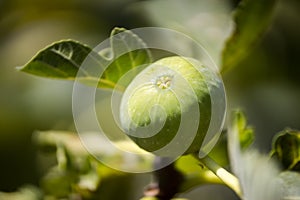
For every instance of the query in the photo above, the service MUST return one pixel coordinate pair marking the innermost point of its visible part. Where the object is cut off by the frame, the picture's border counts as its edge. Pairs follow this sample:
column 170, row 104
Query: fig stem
column 229, row 179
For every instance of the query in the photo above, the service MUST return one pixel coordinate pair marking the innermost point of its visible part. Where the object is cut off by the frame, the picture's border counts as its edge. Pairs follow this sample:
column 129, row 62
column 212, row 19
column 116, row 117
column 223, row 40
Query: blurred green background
column 266, row 84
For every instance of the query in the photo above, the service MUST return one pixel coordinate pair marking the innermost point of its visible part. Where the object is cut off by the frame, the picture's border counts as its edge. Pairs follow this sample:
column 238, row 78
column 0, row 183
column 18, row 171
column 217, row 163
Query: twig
column 229, row 179
column 167, row 181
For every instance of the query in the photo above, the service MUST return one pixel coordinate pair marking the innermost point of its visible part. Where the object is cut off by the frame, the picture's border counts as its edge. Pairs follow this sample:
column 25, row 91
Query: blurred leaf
column 220, row 153
column 51, row 140
column 77, row 172
column 58, row 182
column 255, row 171
column 194, row 173
column 252, row 18
column 257, row 175
column 290, row 185
column 114, row 184
column 72, row 174
column 24, row 193
column 208, row 22
column 154, row 198
column 149, row 198
column 89, row 181
column 286, row 148
column 245, row 132
column 78, row 153
column 63, row 60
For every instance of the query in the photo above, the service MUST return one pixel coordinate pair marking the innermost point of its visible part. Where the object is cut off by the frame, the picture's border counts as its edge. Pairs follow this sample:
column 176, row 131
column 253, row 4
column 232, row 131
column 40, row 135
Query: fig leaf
column 63, row 59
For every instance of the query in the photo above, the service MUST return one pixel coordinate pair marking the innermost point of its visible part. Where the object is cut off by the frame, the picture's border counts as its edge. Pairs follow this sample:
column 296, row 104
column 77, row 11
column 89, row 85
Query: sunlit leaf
column 252, row 18
column 245, row 132
column 76, row 171
column 286, row 149
column 61, row 59
column 64, row 59
column 46, row 140
column 194, row 173
column 58, row 182
column 125, row 56
column 89, row 181
column 75, row 151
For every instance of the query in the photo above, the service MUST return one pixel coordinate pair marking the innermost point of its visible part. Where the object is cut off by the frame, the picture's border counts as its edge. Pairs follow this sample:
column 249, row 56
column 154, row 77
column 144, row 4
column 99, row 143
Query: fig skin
column 159, row 84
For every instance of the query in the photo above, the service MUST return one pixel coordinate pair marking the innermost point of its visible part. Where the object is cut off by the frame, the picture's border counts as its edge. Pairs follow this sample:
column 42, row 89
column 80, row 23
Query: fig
column 154, row 102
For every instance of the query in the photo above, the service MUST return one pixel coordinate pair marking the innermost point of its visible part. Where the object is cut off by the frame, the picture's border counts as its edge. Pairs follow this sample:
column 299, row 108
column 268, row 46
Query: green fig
column 153, row 104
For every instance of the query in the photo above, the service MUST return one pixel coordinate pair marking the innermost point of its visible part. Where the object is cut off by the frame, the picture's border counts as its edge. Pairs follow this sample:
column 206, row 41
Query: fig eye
column 164, row 82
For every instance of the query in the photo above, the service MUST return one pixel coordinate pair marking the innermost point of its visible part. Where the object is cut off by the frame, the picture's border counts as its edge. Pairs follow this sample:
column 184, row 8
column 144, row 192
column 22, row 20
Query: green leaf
column 78, row 172
column 53, row 140
column 252, row 18
column 27, row 192
column 155, row 198
column 191, row 168
column 128, row 51
column 220, row 152
column 286, row 149
column 63, row 60
column 194, row 173
column 57, row 182
column 149, row 198
column 246, row 133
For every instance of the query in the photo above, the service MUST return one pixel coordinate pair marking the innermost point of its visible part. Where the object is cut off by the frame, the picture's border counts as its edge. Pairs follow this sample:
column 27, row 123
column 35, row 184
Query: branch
column 166, row 183
column 229, row 179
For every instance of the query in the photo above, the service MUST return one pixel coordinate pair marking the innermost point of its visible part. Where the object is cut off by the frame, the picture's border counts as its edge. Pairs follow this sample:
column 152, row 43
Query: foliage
column 62, row 60
column 246, row 133
column 286, row 149
column 76, row 174
column 251, row 18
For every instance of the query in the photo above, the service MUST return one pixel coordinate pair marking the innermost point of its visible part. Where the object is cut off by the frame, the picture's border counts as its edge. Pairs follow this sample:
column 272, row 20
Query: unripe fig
column 157, row 98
